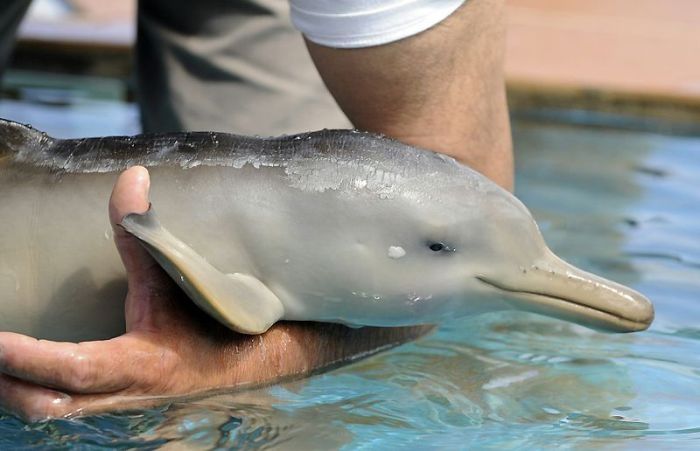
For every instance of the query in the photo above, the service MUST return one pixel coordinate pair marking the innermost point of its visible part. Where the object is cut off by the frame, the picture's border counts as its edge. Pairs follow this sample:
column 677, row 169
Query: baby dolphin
column 335, row 226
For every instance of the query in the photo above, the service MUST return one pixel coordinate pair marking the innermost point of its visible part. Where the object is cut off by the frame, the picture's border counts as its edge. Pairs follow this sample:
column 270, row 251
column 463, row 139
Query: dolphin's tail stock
column 16, row 137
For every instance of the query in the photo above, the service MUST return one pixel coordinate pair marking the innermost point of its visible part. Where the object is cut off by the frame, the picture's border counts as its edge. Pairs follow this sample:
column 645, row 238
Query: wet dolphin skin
column 337, row 226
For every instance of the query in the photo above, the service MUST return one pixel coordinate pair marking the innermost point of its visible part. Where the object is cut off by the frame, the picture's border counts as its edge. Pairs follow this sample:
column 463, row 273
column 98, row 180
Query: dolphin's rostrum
column 338, row 226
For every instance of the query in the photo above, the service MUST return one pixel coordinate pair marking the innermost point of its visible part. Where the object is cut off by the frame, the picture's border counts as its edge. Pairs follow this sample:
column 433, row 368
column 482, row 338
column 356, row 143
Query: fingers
column 90, row 367
column 32, row 402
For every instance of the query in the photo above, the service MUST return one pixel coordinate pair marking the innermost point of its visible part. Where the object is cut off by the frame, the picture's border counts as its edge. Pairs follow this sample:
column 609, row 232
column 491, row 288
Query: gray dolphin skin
column 334, row 226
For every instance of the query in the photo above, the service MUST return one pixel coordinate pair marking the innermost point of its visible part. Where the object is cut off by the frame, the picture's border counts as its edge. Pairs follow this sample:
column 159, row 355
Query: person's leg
column 225, row 65
column 11, row 14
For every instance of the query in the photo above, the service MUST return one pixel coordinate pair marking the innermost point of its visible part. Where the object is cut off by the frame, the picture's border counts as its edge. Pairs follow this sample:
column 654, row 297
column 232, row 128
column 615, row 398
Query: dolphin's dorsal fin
column 239, row 301
column 15, row 137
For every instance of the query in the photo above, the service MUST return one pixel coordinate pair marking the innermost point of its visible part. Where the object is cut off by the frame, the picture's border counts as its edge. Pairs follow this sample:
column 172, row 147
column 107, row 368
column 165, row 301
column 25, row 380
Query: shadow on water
column 623, row 204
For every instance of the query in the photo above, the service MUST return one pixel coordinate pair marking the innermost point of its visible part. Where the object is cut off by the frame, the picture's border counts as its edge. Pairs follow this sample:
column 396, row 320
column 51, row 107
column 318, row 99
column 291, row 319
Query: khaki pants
column 223, row 65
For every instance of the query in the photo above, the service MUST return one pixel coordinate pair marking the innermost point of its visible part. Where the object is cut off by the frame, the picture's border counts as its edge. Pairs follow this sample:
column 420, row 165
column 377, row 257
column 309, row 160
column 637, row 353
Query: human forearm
column 295, row 349
column 442, row 89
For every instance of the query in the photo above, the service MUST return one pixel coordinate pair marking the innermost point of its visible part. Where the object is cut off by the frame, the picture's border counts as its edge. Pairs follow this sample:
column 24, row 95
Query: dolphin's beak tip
column 641, row 312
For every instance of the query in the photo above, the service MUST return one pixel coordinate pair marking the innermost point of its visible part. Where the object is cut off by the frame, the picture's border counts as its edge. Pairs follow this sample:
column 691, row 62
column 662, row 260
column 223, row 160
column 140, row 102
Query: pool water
column 622, row 204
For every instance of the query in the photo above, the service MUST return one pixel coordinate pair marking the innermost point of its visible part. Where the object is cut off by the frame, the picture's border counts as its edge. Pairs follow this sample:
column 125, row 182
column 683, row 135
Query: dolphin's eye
column 437, row 247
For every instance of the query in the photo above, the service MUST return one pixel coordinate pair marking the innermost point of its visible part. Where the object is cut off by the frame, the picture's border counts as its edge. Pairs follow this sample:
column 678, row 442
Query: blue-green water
column 622, row 204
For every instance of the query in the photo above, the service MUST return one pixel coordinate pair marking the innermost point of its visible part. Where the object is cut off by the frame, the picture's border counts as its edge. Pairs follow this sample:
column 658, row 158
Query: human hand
column 170, row 348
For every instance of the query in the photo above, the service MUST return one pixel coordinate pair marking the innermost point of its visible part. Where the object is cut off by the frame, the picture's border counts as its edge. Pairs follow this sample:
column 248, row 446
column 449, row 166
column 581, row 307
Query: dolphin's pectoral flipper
column 239, row 301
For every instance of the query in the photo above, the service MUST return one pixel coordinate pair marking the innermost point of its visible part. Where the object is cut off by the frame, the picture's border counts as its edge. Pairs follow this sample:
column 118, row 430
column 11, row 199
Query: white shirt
column 366, row 23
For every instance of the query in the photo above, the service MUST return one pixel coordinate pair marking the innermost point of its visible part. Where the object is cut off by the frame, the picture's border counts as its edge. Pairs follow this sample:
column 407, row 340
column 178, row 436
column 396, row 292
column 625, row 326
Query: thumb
column 153, row 298
column 130, row 195
column 146, row 279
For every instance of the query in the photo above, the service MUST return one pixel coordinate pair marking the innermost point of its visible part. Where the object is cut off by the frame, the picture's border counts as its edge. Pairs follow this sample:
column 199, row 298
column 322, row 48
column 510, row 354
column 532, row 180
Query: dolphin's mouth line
column 559, row 298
